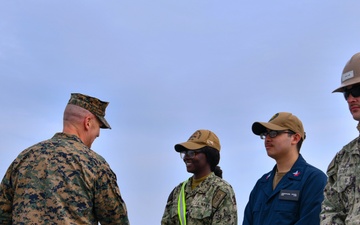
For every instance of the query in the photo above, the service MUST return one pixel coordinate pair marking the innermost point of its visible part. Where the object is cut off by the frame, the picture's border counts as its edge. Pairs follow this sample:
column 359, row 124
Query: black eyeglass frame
column 274, row 133
column 190, row 153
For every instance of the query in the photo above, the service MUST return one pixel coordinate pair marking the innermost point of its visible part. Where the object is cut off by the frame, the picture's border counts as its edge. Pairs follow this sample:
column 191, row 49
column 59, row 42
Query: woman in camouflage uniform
column 206, row 198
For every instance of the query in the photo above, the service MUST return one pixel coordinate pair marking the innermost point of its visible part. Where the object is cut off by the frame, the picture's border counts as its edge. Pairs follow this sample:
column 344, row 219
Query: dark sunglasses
column 354, row 91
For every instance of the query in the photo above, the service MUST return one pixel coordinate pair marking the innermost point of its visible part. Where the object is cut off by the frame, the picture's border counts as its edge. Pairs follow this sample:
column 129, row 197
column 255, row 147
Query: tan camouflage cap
column 280, row 121
column 200, row 139
column 351, row 73
column 93, row 105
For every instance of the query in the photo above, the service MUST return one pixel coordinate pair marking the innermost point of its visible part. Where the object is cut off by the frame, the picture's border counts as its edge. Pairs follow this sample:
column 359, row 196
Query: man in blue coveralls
column 292, row 192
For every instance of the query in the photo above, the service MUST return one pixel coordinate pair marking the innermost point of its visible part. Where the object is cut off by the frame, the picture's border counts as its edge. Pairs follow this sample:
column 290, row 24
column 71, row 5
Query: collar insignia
column 297, row 173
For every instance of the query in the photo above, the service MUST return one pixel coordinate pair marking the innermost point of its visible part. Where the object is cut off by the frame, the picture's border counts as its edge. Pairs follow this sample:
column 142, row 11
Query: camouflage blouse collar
column 73, row 137
column 203, row 186
column 358, row 126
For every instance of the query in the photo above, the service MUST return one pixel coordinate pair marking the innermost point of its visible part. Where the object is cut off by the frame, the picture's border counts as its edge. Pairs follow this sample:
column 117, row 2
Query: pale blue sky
column 169, row 68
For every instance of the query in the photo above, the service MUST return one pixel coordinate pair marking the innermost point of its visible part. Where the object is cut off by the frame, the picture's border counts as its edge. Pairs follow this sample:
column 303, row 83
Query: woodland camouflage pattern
column 342, row 192
column 60, row 181
column 93, row 105
column 211, row 203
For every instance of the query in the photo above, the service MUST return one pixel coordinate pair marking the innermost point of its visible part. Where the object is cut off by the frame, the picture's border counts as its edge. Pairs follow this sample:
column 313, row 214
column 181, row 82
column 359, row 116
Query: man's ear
column 296, row 138
column 87, row 122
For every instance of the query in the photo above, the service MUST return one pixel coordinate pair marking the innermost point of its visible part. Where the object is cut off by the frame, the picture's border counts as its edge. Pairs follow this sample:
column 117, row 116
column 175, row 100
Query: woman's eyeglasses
column 274, row 133
column 190, row 154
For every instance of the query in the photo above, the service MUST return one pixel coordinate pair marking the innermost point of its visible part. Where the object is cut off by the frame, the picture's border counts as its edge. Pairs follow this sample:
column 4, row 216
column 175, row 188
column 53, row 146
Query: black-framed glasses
column 190, row 154
column 274, row 133
column 354, row 91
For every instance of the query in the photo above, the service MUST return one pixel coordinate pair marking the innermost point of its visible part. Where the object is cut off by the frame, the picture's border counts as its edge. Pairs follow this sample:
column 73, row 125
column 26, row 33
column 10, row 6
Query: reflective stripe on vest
column 182, row 205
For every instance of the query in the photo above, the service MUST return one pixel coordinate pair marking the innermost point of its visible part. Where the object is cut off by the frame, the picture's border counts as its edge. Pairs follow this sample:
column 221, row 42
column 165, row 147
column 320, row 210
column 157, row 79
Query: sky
column 169, row 68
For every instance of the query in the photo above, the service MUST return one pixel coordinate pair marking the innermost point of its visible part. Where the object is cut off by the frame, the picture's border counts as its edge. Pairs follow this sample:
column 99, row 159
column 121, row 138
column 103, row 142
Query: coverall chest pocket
column 288, row 211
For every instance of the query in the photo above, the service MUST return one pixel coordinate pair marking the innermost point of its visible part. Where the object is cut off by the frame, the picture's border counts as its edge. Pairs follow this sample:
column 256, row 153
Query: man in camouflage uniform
column 61, row 180
column 342, row 192
column 208, row 198
column 292, row 192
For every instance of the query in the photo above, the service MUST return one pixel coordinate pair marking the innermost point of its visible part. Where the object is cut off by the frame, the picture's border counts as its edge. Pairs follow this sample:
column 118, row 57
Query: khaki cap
column 93, row 105
column 280, row 121
column 199, row 139
column 351, row 73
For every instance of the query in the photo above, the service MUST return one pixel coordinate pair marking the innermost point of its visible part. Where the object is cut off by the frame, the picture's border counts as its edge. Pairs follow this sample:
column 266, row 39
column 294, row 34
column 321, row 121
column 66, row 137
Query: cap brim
column 104, row 123
column 260, row 127
column 188, row 146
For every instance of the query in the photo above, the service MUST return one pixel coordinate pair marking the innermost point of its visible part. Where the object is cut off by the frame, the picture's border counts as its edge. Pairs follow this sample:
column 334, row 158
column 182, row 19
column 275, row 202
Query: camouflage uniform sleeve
column 6, row 196
column 332, row 210
column 224, row 204
column 167, row 218
column 109, row 206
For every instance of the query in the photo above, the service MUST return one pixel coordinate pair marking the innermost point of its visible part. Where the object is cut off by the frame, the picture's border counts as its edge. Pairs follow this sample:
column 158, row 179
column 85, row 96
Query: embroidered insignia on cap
column 274, row 116
column 196, row 135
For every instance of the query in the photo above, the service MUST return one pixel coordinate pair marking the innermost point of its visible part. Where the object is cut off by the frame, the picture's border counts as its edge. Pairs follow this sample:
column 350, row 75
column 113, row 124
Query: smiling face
column 197, row 164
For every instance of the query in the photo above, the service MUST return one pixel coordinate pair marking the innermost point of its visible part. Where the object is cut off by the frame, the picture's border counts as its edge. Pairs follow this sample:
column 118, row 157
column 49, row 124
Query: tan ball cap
column 199, row 139
column 280, row 121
